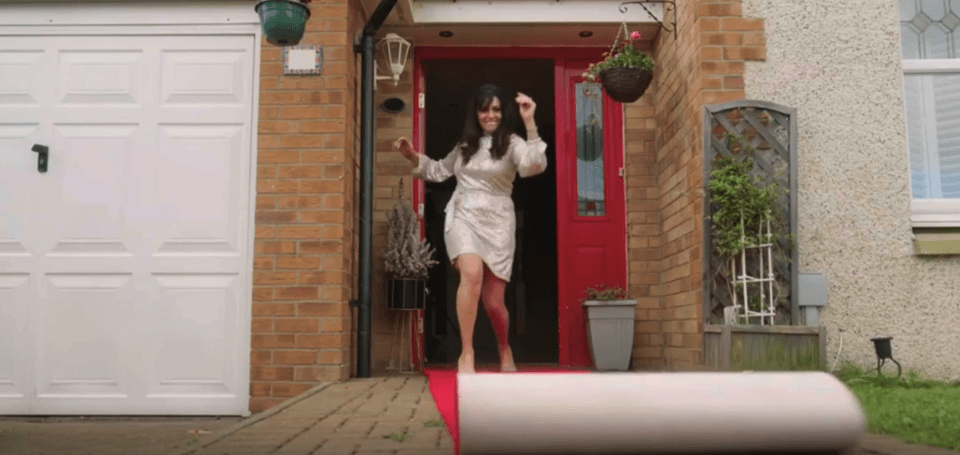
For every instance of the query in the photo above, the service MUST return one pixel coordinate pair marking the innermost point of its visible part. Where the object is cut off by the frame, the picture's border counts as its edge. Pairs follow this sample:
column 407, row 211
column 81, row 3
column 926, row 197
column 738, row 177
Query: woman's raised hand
column 527, row 107
column 406, row 149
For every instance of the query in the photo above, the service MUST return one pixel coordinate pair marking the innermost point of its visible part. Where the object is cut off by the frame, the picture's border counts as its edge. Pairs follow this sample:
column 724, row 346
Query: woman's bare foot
column 506, row 361
column 465, row 364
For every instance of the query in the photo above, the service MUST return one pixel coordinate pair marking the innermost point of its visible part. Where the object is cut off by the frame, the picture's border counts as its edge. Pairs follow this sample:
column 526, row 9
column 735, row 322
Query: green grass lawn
column 918, row 410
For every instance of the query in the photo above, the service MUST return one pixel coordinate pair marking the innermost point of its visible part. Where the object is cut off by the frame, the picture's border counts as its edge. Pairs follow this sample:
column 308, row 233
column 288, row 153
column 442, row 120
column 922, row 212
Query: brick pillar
column 703, row 65
column 643, row 228
column 305, row 237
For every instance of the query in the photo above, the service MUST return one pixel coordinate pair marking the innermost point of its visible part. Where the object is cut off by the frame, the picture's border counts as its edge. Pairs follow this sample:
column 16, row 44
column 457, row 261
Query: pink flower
column 635, row 35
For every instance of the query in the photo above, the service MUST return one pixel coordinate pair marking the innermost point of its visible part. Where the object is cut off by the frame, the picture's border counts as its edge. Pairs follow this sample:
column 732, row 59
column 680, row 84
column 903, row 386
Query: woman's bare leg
column 468, row 296
column 493, row 292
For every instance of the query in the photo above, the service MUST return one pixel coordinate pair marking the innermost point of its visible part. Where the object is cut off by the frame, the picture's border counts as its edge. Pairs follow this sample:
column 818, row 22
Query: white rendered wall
column 838, row 63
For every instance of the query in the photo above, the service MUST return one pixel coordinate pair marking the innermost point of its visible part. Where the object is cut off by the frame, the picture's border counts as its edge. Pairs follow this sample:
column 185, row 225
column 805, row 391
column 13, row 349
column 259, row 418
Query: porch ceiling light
column 446, row 34
column 395, row 49
column 586, row 34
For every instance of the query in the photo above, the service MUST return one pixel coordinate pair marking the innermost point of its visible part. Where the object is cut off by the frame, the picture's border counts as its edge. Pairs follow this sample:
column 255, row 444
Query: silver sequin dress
column 480, row 217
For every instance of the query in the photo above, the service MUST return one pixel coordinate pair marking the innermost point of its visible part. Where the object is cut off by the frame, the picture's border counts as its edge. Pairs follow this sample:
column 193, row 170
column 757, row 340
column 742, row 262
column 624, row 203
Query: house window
column 930, row 43
column 591, row 198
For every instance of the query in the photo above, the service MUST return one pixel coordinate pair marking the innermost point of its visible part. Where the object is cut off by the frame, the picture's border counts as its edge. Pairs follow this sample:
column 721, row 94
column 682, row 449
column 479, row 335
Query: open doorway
column 531, row 296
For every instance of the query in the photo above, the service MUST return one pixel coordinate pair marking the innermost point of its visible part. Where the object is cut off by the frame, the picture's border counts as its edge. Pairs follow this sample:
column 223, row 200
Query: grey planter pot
column 610, row 328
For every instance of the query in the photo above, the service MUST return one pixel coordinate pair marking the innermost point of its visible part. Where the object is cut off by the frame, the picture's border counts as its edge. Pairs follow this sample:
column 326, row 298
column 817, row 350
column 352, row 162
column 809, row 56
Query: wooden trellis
column 767, row 133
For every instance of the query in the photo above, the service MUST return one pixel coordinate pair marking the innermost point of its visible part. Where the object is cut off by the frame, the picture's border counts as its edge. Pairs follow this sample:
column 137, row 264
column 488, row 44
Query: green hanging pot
column 284, row 21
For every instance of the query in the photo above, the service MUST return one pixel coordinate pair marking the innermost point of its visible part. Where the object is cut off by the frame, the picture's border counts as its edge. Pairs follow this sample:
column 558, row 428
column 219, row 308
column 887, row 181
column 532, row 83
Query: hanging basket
column 283, row 21
column 625, row 85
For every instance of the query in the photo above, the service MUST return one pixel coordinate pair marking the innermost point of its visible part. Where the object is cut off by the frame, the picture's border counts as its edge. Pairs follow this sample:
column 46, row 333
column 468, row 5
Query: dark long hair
column 472, row 131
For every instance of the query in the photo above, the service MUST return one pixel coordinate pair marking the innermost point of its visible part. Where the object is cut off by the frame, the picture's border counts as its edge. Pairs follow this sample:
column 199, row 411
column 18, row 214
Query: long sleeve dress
column 480, row 217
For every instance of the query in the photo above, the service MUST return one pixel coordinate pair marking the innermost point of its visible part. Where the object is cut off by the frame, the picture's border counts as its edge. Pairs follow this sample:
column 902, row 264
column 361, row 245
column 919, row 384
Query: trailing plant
column 742, row 200
column 604, row 292
column 407, row 255
column 625, row 53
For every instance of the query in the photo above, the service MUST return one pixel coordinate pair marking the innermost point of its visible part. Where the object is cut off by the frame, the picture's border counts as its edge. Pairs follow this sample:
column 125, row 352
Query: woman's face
column 489, row 117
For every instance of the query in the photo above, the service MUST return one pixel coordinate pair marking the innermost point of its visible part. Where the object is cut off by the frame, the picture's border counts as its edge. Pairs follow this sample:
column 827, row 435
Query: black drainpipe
column 366, row 50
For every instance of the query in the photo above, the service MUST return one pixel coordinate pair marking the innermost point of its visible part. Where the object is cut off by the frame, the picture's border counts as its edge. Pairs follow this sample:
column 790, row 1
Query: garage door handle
column 44, row 152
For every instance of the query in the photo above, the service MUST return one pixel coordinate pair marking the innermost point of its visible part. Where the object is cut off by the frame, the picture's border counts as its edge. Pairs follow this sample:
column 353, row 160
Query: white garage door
column 124, row 268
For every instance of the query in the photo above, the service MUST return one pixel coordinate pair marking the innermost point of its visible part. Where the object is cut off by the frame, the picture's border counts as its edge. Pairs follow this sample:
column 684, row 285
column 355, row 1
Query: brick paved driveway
column 344, row 418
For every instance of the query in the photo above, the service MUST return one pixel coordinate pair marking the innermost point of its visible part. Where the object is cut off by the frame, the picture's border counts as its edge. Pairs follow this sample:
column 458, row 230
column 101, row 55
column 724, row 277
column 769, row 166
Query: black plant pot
column 406, row 294
column 625, row 85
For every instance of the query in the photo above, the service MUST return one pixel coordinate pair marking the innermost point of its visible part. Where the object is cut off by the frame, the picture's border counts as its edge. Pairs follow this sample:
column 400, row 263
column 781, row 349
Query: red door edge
column 418, row 188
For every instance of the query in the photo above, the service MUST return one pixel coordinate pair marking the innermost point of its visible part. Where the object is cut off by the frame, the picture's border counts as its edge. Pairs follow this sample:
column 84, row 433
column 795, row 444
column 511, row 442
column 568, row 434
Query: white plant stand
column 401, row 359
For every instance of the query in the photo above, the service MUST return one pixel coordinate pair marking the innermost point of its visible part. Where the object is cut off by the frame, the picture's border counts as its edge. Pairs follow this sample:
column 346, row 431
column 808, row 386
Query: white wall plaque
column 302, row 59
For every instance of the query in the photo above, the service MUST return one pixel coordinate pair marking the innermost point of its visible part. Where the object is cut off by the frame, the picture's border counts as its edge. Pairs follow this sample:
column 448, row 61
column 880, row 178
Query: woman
column 480, row 222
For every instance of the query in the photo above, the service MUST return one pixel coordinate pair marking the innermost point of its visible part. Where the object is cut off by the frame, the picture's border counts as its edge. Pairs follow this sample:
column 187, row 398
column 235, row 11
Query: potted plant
column 283, row 21
column 407, row 258
column 625, row 72
column 610, row 326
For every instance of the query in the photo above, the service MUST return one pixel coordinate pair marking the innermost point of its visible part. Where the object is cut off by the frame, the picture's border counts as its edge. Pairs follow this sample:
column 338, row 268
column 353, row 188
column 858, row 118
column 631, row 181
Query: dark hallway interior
column 531, row 296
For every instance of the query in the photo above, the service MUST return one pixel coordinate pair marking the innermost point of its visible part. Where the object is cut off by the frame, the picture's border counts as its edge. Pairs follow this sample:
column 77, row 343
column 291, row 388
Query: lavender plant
column 407, row 256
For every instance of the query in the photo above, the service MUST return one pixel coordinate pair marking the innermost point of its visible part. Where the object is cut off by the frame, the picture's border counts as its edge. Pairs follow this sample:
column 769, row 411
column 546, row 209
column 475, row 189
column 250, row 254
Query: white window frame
column 932, row 212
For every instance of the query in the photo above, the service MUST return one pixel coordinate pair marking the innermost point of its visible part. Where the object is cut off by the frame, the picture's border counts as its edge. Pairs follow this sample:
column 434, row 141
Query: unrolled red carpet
column 443, row 386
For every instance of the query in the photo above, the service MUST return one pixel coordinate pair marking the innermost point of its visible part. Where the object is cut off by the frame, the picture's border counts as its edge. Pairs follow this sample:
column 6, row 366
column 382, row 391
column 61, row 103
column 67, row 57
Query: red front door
column 591, row 202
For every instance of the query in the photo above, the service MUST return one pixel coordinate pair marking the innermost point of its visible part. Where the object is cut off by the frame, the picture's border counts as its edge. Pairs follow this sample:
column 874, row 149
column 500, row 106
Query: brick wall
column 643, row 227
column 305, row 241
column 390, row 168
column 704, row 65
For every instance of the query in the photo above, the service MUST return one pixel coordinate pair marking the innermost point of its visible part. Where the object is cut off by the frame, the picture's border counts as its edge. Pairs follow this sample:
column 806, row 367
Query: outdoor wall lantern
column 283, row 21
column 395, row 49
column 884, row 351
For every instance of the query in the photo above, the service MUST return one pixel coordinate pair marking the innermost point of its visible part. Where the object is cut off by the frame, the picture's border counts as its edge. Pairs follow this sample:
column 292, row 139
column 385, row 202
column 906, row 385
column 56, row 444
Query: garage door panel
column 100, row 77
column 83, row 340
column 93, row 115
column 200, row 76
column 88, row 257
column 19, row 84
column 219, row 248
column 196, row 262
column 17, row 160
column 22, row 115
column 196, row 330
column 107, row 248
column 201, row 115
column 15, row 292
column 18, row 175
column 196, row 183
column 95, row 165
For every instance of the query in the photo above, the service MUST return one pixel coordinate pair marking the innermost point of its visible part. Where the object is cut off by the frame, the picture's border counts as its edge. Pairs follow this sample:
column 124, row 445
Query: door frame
column 559, row 55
